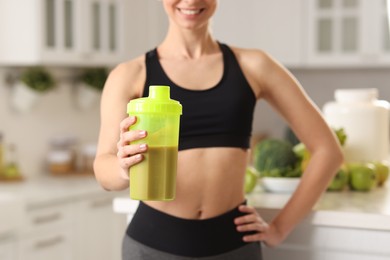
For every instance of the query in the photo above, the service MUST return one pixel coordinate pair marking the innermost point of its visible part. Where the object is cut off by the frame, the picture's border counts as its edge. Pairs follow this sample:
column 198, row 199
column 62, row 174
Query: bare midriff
column 210, row 182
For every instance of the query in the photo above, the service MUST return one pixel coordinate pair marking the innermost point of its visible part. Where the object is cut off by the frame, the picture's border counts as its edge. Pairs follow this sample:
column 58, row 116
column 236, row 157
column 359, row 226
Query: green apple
column 382, row 172
column 362, row 176
column 340, row 180
column 251, row 176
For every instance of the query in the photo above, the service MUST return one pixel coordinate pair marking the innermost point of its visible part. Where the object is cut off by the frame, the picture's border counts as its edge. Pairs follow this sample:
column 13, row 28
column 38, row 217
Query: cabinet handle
column 45, row 219
column 48, row 242
column 100, row 203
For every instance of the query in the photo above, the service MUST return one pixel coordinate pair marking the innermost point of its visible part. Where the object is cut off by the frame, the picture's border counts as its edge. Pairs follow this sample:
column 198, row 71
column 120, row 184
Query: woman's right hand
column 129, row 154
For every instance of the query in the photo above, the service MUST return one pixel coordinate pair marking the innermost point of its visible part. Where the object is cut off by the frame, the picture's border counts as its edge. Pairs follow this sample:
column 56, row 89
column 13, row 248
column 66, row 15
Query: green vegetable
column 304, row 155
column 301, row 151
column 274, row 157
column 341, row 135
column 283, row 172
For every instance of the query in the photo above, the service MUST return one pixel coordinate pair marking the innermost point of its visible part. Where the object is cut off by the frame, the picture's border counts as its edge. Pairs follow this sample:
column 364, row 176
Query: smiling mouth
column 190, row 11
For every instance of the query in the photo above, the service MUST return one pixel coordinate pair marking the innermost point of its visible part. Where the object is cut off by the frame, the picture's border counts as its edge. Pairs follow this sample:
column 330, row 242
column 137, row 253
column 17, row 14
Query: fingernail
column 142, row 147
column 142, row 133
column 138, row 157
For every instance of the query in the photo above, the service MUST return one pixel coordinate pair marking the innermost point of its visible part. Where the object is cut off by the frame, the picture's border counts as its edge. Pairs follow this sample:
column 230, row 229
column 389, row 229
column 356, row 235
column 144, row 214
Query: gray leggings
column 133, row 250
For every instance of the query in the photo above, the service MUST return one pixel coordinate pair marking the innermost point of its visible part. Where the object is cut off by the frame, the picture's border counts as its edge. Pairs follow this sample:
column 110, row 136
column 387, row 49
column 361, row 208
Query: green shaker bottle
column 155, row 177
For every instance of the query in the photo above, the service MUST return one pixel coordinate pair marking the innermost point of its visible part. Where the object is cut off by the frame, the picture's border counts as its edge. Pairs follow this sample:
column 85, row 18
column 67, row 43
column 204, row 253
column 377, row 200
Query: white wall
column 56, row 114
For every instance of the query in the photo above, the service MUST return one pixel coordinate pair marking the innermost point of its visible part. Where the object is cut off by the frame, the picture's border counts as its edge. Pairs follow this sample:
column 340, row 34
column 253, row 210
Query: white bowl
column 280, row 185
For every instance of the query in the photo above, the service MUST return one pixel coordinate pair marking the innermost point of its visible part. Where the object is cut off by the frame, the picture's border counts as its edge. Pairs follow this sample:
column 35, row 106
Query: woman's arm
column 283, row 92
column 115, row 155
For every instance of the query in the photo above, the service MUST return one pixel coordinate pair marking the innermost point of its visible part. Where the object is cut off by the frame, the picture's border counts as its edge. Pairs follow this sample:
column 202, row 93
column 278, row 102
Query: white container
column 365, row 120
column 23, row 97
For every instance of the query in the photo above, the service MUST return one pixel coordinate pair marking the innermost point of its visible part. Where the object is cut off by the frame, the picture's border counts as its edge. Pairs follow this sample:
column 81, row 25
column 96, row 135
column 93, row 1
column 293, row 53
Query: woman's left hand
column 262, row 231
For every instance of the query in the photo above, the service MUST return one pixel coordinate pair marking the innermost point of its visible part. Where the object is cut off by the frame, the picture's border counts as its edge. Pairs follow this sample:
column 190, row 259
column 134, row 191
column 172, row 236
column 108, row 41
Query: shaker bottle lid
column 356, row 95
column 158, row 101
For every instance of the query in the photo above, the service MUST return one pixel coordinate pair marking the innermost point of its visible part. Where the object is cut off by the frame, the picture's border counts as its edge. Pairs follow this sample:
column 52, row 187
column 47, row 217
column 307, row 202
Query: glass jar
column 88, row 157
column 61, row 157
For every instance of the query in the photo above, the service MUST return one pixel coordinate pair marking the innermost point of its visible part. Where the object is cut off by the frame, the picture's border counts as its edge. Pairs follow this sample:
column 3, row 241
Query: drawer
column 47, row 218
column 56, row 244
column 7, row 250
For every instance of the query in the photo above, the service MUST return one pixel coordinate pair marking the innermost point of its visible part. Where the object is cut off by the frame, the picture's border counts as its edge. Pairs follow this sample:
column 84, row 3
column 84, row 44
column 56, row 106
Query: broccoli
column 274, row 157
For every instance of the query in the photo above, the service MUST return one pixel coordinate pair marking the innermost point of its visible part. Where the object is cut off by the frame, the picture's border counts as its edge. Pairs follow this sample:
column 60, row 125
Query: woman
column 218, row 86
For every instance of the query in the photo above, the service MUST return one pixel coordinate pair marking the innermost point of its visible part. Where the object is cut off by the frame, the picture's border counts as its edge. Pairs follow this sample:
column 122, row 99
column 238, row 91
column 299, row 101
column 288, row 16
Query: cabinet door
column 7, row 250
column 55, row 245
column 61, row 32
column 335, row 31
column 102, row 32
column 38, row 31
column 100, row 230
column 274, row 26
column 347, row 32
column 60, row 42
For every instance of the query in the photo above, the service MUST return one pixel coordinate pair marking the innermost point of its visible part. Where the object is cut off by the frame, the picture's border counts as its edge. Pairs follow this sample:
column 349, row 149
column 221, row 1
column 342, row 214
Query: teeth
column 190, row 12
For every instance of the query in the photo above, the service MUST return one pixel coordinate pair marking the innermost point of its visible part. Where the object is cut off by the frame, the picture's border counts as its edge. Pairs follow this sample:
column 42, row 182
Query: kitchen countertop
column 347, row 209
column 52, row 189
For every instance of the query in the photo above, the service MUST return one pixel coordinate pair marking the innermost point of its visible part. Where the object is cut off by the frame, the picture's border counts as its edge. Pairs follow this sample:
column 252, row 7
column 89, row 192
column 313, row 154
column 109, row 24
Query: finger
column 127, row 162
column 246, row 209
column 130, row 136
column 246, row 219
column 128, row 150
column 126, row 123
column 254, row 237
column 258, row 227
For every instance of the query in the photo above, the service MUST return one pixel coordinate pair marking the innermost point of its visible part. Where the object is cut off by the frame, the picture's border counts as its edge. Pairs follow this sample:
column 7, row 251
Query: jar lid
column 59, row 157
column 89, row 150
column 356, row 95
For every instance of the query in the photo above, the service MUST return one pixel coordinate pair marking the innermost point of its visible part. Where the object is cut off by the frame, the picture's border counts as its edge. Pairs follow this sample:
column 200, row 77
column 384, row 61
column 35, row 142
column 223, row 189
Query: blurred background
column 58, row 211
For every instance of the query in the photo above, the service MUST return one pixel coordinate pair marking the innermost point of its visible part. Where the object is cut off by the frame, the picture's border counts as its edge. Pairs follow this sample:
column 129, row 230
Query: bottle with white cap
column 365, row 120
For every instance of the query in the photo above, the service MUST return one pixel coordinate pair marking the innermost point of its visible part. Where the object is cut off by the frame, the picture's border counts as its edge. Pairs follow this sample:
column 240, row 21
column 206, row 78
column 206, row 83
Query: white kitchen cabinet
column 7, row 249
column 313, row 240
column 61, row 32
column 274, row 26
column 99, row 231
column 53, row 245
column 103, row 31
column 47, row 233
column 347, row 33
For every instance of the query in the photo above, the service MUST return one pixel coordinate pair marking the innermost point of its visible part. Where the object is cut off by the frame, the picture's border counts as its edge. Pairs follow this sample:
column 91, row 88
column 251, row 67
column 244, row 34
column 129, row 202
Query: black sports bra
column 220, row 116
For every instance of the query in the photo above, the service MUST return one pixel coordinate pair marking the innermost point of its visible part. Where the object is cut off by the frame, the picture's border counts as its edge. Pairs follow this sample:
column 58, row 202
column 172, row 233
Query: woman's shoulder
column 256, row 65
column 130, row 67
column 251, row 55
column 127, row 78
